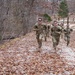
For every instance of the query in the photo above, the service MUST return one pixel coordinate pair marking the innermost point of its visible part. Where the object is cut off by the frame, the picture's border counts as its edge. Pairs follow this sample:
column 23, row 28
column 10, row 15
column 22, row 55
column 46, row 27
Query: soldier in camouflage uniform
column 55, row 33
column 62, row 27
column 39, row 32
column 45, row 32
column 48, row 30
column 67, row 33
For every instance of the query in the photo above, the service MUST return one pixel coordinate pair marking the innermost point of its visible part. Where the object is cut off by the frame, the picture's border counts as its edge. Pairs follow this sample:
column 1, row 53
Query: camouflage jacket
column 39, row 29
column 56, row 31
column 68, row 31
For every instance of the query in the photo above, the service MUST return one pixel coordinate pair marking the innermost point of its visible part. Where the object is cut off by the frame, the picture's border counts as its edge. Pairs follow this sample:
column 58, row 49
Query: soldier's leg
column 40, row 43
column 54, row 42
column 68, row 40
column 65, row 37
column 54, row 45
column 45, row 38
column 40, row 40
column 37, row 37
column 48, row 33
column 57, row 40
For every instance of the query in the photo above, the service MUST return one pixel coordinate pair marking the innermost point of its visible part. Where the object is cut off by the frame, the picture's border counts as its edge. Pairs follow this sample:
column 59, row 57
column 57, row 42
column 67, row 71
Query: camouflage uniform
column 48, row 30
column 67, row 33
column 45, row 32
column 39, row 34
column 55, row 33
column 62, row 27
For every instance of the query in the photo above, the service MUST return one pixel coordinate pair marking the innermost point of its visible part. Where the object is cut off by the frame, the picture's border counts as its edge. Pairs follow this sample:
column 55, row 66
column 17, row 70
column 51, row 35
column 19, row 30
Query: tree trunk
column 68, row 21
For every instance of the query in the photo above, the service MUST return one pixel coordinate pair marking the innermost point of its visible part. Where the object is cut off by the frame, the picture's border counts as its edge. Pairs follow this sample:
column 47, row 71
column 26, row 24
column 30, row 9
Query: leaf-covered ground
column 21, row 57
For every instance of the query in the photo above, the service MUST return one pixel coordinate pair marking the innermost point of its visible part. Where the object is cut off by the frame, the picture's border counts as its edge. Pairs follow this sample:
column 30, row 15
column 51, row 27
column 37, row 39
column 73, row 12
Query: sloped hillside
column 21, row 57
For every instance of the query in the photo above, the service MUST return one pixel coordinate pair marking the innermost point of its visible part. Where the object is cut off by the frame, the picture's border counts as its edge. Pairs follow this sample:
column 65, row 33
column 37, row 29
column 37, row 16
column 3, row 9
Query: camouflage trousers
column 39, row 40
column 48, row 32
column 67, row 39
column 55, row 41
column 45, row 35
column 62, row 35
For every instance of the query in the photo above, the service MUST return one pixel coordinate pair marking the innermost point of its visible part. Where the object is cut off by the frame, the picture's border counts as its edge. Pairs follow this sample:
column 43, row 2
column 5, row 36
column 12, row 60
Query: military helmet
column 39, row 19
column 55, row 23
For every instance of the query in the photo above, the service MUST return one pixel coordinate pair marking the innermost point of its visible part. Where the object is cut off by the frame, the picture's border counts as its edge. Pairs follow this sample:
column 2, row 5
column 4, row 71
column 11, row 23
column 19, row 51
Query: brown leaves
column 20, row 57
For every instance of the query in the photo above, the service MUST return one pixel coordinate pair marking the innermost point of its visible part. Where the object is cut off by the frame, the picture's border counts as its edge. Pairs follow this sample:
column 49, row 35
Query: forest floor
column 20, row 56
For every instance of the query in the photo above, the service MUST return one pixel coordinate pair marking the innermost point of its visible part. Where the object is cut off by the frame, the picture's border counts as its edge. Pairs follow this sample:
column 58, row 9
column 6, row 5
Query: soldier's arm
column 64, row 30
column 58, row 32
column 35, row 28
column 71, row 30
column 52, row 31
